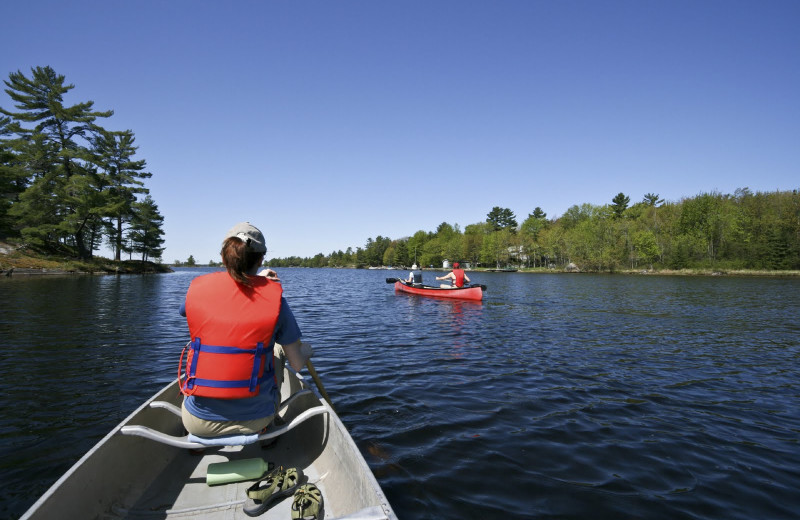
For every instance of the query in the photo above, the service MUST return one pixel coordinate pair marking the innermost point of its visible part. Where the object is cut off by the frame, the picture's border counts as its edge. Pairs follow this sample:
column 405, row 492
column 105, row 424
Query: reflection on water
column 555, row 397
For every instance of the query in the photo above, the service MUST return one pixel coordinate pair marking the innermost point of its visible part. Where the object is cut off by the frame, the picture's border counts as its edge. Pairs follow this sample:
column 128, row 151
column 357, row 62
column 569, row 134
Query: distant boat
column 468, row 292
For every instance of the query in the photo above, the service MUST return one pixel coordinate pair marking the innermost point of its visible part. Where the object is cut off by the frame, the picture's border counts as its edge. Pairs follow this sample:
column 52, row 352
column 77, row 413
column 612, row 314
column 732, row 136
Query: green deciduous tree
column 529, row 234
column 744, row 230
column 646, row 247
column 474, row 234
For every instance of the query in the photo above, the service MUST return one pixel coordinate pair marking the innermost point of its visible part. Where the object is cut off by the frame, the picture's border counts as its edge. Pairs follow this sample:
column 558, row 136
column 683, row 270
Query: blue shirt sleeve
column 287, row 330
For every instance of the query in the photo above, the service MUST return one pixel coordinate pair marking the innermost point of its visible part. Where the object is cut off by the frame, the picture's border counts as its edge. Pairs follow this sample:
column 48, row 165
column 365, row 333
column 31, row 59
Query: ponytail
column 238, row 260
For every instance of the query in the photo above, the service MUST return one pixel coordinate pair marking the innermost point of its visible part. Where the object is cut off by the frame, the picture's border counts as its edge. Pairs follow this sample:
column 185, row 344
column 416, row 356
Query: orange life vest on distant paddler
column 459, row 281
column 231, row 327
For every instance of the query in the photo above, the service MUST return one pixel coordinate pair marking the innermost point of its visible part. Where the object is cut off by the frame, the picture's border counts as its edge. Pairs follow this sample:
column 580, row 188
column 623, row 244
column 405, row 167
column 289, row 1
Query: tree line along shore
column 746, row 231
column 68, row 186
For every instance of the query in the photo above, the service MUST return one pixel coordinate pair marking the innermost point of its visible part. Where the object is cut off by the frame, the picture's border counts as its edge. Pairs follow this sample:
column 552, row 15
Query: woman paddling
column 458, row 276
column 235, row 318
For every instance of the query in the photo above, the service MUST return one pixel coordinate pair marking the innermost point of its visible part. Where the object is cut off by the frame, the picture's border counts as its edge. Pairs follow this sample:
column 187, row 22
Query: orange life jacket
column 459, row 281
column 231, row 327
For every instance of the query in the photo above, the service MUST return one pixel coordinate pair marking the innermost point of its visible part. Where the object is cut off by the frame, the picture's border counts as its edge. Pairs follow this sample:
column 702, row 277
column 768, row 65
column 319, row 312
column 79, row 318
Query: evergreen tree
column 114, row 152
column 620, row 204
column 502, row 218
column 145, row 232
column 56, row 156
column 12, row 179
column 538, row 213
column 651, row 199
column 401, row 253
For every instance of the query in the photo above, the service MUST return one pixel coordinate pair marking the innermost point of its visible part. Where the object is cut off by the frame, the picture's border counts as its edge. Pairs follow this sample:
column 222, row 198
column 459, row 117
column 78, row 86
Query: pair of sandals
column 279, row 483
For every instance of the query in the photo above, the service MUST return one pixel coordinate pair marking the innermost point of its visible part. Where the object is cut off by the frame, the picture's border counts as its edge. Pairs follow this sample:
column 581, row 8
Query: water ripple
column 555, row 397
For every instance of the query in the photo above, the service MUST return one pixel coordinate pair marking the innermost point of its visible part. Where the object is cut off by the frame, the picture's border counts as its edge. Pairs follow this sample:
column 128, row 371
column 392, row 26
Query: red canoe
column 462, row 293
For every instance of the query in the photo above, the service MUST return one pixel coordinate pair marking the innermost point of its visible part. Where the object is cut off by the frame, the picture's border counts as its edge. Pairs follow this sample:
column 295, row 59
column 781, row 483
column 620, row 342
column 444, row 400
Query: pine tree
column 620, row 204
column 114, row 152
column 502, row 218
column 12, row 179
column 146, row 229
column 56, row 157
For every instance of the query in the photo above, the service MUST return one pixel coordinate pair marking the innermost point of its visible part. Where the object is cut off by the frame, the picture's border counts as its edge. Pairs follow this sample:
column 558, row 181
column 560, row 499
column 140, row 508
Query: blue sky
column 327, row 123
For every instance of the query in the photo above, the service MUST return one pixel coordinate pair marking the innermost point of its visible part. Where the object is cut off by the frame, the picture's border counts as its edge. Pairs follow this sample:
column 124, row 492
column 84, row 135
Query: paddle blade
column 392, row 280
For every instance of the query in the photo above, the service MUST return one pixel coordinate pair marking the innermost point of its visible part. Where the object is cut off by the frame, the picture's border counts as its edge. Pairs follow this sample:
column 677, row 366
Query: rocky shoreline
column 23, row 271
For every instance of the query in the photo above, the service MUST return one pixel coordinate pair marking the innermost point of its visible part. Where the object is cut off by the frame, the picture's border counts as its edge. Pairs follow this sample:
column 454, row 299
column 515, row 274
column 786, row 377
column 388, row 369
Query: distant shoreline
column 544, row 270
column 18, row 263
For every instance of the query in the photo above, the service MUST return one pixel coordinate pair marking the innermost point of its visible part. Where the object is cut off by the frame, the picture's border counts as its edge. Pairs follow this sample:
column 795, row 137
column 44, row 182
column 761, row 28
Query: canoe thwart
column 176, row 410
column 185, row 442
column 166, row 406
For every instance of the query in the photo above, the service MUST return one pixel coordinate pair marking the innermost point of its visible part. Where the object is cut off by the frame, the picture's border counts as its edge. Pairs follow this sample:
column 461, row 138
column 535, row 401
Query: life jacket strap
column 259, row 359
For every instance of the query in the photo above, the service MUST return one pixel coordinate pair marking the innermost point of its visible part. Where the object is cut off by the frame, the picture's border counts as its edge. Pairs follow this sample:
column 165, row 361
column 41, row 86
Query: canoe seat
column 194, row 442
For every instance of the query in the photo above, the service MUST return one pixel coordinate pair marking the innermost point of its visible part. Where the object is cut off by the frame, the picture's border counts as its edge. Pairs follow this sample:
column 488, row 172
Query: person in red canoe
column 457, row 277
column 415, row 276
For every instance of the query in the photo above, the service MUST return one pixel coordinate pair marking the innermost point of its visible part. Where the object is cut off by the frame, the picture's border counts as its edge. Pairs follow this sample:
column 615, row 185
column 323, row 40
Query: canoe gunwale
column 321, row 446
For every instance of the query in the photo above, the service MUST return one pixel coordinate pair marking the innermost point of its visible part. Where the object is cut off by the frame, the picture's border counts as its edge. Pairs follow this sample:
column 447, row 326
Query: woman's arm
column 298, row 353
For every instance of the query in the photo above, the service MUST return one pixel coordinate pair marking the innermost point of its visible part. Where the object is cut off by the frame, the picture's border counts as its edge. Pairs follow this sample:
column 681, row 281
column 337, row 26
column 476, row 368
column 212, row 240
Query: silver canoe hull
column 126, row 476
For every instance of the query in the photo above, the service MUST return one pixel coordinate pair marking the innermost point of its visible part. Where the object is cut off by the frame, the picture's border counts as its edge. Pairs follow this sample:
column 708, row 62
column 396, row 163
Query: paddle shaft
column 320, row 386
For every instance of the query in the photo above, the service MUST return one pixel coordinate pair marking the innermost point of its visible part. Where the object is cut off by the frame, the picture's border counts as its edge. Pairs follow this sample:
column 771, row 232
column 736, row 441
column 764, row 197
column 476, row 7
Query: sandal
column 307, row 503
column 277, row 484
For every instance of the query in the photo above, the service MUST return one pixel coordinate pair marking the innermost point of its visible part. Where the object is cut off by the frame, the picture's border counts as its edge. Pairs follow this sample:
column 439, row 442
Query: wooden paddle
column 272, row 275
column 318, row 382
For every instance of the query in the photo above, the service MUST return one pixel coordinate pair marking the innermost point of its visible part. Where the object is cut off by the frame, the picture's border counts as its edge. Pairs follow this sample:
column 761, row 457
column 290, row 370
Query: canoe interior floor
column 186, row 495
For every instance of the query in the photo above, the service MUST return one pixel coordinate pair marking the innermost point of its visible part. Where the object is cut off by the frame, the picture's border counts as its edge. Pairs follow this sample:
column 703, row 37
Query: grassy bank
column 16, row 260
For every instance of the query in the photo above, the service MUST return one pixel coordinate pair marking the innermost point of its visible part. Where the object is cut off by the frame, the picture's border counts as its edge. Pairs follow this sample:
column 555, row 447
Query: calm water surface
column 558, row 396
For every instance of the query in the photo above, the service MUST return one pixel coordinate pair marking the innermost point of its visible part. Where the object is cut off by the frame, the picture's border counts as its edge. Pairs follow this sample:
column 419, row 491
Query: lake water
column 558, row 396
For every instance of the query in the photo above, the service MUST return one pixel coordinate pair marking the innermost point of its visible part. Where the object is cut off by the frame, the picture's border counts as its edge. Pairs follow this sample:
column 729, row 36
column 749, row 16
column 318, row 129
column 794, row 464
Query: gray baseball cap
column 250, row 235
